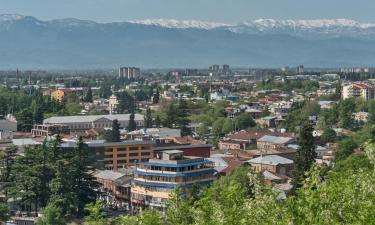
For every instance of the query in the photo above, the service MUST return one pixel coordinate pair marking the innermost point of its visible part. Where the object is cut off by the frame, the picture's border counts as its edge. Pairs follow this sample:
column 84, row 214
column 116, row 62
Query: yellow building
column 358, row 90
column 58, row 95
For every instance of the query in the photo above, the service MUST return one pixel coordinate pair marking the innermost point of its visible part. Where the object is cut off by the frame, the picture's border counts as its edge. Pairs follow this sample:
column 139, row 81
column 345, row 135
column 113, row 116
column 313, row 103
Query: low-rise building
column 273, row 163
column 82, row 123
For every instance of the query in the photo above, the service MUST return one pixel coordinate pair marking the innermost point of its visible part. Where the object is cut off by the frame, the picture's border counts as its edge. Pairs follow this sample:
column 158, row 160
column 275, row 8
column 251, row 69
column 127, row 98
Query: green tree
column 115, row 132
column 148, row 118
column 244, row 121
column 132, row 125
column 156, row 97
column 346, row 110
column 183, row 120
column 227, row 126
column 88, row 96
column 305, row 156
column 6, row 162
column 345, row 148
column 24, row 120
column 52, row 214
column 157, row 121
column 96, row 215
column 4, row 213
column 329, row 135
column 217, row 126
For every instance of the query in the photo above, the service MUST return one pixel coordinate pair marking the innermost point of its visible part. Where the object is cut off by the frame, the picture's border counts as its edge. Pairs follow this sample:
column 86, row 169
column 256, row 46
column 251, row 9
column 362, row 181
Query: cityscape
column 113, row 119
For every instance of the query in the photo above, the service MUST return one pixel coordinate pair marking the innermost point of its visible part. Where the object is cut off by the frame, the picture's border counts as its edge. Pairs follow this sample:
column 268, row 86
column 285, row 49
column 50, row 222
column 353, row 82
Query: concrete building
column 273, row 163
column 112, row 104
column 83, row 123
column 129, row 72
column 154, row 181
column 118, row 155
column 8, row 123
column 358, row 90
column 44, row 130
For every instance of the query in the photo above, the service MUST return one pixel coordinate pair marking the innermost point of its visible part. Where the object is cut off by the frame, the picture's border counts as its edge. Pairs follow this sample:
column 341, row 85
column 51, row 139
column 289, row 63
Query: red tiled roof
column 256, row 134
column 233, row 163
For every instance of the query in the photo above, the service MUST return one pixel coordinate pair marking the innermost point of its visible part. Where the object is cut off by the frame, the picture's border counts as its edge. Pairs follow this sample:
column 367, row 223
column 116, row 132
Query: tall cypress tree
column 132, row 125
column 148, row 118
column 305, row 155
column 115, row 134
column 183, row 120
column 88, row 97
column 156, row 97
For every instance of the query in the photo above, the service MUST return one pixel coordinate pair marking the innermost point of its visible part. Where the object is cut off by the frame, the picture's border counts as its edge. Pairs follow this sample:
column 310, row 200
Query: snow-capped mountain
column 26, row 42
column 180, row 24
column 322, row 28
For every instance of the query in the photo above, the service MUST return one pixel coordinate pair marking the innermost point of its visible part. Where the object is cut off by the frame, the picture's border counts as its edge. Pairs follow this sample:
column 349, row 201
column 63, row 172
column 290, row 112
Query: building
column 118, row 155
column 6, row 136
column 226, row 69
column 273, row 163
column 154, row 181
column 83, row 123
column 59, row 95
column 112, row 104
column 45, row 130
column 114, row 186
column 8, row 123
column 196, row 150
column 191, row 72
column 129, row 72
column 214, row 68
column 358, row 90
column 300, row 69
column 269, row 142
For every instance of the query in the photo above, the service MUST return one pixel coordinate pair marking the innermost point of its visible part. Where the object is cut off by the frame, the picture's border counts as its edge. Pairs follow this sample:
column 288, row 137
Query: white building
column 82, row 123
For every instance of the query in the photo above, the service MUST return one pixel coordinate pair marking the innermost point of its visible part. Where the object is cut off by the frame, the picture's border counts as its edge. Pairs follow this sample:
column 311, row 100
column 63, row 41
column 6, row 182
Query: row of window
column 175, row 179
column 134, row 148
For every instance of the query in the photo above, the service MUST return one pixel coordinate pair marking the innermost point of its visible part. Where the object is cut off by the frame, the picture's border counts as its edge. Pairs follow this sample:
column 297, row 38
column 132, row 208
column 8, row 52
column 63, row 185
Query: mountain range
column 26, row 42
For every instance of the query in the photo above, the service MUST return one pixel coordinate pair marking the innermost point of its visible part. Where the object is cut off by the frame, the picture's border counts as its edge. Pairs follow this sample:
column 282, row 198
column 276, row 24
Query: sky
column 227, row 11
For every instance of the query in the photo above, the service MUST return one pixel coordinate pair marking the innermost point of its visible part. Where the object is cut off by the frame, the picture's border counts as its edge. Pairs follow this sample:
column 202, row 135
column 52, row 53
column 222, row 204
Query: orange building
column 58, row 95
column 119, row 155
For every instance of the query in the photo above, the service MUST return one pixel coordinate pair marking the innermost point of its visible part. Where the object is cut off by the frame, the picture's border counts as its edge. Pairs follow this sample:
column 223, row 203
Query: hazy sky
column 229, row 11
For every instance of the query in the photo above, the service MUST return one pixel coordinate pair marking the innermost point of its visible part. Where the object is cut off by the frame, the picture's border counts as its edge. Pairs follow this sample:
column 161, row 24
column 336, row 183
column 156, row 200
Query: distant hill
column 26, row 42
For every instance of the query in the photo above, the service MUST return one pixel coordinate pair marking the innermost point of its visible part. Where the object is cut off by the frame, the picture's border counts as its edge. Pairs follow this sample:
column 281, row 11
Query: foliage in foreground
column 340, row 195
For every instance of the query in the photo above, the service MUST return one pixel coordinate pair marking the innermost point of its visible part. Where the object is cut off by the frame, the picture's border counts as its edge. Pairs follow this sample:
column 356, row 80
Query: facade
column 44, row 130
column 6, row 136
column 118, row 155
column 8, row 123
column 269, row 142
column 129, row 72
column 83, row 123
column 113, row 102
column 58, row 95
column 358, row 90
column 154, row 181
column 273, row 163
column 197, row 150
column 115, row 186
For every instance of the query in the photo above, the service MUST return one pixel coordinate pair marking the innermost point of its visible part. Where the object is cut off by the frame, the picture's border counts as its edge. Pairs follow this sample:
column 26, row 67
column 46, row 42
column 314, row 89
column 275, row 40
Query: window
column 121, row 155
column 133, row 154
column 133, row 148
column 121, row 149
column 146, row 147
column 145, row 153
column 121, row 161
column 109, row 150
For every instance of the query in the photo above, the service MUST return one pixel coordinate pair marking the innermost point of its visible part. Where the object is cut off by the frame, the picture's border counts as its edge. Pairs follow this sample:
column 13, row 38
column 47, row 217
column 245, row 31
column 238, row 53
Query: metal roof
column 90, row 118
column 270, row 160
column 275, row 140
column 109, row 175
column 178, row 147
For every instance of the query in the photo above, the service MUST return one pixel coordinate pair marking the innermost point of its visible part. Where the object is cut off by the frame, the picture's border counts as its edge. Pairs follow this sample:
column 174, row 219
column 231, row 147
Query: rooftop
column 275, row 140
column 90, row 118
column 270, row 160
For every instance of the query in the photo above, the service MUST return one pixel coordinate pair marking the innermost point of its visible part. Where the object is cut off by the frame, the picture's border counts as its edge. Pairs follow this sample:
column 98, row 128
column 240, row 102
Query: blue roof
column 175, row 175
column 178, row 165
